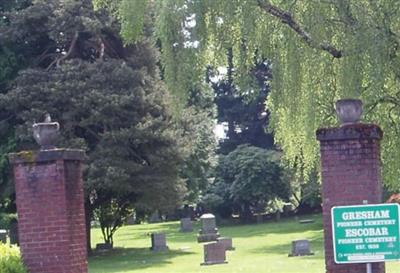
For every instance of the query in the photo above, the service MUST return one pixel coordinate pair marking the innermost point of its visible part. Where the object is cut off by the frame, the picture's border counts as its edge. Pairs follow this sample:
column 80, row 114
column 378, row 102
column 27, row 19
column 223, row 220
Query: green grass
column 259, row 248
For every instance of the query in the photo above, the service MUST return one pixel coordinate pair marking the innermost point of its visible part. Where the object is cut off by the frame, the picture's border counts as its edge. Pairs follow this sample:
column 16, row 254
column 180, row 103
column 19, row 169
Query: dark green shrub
column 6, row 219
column 10, row 260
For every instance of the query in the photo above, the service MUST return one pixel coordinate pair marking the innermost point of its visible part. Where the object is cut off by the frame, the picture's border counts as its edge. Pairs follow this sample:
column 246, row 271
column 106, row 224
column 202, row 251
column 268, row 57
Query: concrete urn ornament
column 46, row 133
column 349, row 111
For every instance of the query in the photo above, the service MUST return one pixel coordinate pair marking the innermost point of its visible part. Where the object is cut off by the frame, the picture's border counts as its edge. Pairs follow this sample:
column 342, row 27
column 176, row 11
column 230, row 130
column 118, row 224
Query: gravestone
column 306, row 221
column 227, row 242
column 14, row 233
column 278, row 216
column 214, row 253
column 186, row 225
column 300, row 248
column 130, row 220
column 158, row 242
column 103, row 246
column 155, row 217
column 3, row 236
column 209, row 230
column 286, row 210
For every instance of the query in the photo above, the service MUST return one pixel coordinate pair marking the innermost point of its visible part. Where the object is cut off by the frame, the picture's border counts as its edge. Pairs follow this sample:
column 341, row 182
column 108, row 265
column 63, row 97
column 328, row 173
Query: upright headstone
column 103, row 246
column 14, row 233
column 130, row 220
column 278, row 216
column 300, row 248
column 350, row 172
column 209, row 230
column 158, row 242
column 286, row 210
column 214, row 253
column 186, row 225
column 227, row 242
column 3, row 236
column 155, row 217
column 49, row 198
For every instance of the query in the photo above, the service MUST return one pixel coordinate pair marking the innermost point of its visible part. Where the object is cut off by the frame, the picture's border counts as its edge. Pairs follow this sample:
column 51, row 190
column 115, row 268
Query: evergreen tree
column 196, row 123
column 243, row 111
column 10, row 63
column 108, row 99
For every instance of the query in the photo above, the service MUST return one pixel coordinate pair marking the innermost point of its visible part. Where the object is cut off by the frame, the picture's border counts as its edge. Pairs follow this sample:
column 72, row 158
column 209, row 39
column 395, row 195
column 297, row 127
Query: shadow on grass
column 285, row 226
column 316, row 247
column 131, row 259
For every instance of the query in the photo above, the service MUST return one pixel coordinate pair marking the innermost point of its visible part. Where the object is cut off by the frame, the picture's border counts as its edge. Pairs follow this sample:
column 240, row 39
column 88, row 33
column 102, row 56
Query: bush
column 6, row 219
column 10, row 260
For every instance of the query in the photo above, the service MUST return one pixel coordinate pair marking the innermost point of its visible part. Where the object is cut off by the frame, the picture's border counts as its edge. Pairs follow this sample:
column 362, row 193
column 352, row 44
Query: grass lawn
column 259, row 248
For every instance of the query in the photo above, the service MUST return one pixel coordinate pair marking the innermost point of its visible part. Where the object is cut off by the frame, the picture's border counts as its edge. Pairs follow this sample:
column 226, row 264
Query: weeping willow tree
column 320, row 51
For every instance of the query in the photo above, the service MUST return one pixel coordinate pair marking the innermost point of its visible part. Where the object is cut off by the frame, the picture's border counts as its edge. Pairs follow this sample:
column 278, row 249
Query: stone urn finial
column 349, row 111
column 46, row 133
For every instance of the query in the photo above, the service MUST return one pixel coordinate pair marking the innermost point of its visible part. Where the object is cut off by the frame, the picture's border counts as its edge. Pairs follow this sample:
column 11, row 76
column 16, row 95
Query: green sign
column 366, row 233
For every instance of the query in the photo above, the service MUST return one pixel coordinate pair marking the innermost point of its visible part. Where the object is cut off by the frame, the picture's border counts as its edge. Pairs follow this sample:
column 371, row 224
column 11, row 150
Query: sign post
column 366, row 233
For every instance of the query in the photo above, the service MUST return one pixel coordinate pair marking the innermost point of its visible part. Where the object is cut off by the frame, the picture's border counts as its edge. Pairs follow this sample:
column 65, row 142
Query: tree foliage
column 248, row 178
column 243, row 113
column 196, row 123
column 108, row 99
column 320, row 51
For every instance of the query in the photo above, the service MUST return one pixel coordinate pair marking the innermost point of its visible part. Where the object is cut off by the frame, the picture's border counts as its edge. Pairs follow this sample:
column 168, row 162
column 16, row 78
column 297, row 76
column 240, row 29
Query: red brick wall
column 350, row 171
column 49, row 195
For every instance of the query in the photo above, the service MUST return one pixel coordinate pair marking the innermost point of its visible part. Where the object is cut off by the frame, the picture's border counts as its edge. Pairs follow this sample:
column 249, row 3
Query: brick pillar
column 350, row 171
column 51, row 220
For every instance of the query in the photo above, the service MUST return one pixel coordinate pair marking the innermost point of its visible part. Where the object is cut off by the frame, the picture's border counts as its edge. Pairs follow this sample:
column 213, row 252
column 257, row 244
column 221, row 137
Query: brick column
column 51, row 220
column 350, row 171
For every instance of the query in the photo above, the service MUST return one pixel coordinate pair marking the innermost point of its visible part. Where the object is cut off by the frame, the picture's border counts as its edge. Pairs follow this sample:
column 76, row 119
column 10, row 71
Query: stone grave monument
column 214, row 253
column 186, row 225
column 3, row 236
column 306, row 221
column 49, row 198
column 155, row 217
column 103, row 246
column 158, row 242
column 227, row 242
column 300, row 248
column 209, row 230
column 14, row 233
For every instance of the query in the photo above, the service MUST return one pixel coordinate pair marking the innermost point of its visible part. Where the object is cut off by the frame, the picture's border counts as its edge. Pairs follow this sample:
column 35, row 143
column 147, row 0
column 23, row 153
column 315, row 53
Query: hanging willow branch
column 288, row 19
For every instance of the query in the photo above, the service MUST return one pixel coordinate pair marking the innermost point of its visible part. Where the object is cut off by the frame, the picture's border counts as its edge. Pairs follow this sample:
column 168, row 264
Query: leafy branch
column 287, row 18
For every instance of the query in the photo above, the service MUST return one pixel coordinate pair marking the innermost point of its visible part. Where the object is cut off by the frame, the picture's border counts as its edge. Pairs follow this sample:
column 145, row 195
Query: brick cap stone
column 46, row 155
column 349, row 132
